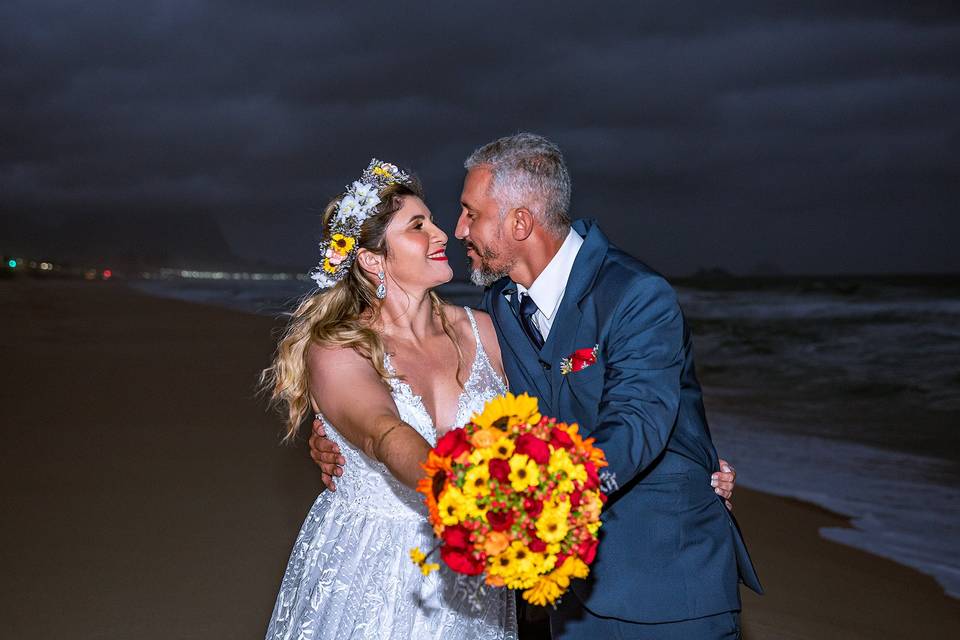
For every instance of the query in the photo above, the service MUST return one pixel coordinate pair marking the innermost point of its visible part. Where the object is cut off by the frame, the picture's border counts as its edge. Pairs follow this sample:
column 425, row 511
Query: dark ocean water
column 841, row 392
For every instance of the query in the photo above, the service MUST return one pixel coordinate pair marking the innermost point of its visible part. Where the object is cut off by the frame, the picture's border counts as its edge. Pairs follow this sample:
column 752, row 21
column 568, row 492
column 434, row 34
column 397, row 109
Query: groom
column 599, row 338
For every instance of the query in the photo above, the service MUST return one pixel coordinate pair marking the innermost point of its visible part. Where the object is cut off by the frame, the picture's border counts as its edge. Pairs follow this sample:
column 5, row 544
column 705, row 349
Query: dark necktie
column 527, row 308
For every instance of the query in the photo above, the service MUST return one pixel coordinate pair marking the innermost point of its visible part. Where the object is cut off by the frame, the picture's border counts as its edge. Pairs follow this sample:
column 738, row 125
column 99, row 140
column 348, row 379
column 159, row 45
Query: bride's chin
column 446, row 279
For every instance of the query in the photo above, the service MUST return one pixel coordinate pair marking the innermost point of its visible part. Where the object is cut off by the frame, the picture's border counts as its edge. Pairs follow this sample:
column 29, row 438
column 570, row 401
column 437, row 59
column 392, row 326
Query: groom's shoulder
column 624, row 276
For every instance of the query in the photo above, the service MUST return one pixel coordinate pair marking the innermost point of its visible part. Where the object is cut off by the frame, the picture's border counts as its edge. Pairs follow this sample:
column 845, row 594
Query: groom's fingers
column 318, row 429
column 729, row 505
column 722, row 484
column 328, row 482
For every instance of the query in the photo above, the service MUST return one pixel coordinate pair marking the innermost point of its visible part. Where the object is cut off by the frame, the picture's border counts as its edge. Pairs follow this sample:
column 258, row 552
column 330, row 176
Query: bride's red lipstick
column 439, row 256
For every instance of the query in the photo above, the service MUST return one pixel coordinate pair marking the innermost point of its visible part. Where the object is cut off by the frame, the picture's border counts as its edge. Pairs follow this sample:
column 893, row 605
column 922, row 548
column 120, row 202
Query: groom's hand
column 326, row 454
column 723, row 482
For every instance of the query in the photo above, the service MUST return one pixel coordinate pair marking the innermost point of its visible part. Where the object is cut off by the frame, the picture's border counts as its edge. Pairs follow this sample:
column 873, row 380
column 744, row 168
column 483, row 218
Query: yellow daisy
column 552, row 524
column 452, row 506
column 476, row 482
column 502, row 448
column 524, row 472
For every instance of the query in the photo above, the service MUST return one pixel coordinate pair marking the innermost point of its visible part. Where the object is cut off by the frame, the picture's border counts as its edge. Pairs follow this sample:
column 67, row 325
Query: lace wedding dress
column 350, row 573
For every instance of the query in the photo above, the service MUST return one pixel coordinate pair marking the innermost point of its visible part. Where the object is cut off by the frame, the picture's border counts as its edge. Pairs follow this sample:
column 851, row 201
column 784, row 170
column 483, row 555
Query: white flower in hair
column 354, row 208
column 365, row 192
column 348, row 206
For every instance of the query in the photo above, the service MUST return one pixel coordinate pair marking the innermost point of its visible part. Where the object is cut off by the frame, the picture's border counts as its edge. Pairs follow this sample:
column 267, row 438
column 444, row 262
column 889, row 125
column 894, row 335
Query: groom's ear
column 521, row 223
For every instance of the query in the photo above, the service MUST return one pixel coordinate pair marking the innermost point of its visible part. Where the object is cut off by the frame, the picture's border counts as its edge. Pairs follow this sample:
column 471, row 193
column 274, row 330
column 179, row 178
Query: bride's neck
column 407, row 316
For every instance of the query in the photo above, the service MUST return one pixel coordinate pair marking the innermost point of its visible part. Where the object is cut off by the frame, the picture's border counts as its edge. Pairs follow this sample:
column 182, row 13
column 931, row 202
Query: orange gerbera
column 597, row 456
column 437, row 469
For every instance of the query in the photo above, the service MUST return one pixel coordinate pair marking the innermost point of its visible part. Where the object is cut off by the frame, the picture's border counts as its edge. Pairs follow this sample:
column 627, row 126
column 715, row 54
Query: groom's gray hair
column 528, row 171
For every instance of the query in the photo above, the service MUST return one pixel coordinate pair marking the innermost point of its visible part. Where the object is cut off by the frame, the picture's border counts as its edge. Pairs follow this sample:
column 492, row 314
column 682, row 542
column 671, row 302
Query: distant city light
column 12, row 264
column 107, row 274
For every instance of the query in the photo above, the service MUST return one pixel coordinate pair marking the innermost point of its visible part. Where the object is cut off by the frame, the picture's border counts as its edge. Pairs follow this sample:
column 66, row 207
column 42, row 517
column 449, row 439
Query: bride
column 387, row 368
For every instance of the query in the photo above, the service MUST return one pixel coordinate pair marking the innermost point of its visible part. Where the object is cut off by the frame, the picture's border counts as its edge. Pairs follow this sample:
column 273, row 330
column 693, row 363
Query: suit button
column 545, row 365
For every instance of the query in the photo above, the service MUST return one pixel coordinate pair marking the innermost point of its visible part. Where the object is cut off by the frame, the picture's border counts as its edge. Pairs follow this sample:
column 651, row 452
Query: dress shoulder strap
column 476, row 331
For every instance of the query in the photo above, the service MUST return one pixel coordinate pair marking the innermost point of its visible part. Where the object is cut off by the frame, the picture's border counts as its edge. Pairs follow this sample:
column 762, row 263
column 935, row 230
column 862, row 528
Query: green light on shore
column 12, row 264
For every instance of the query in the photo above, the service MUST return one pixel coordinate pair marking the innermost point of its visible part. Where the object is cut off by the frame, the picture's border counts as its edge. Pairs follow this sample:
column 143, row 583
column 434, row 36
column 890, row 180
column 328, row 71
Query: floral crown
column 358, row 204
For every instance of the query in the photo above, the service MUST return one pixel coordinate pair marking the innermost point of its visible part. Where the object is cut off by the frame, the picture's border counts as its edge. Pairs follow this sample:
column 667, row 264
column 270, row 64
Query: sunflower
column 508, row 410
column 341, row 244
column 524, row 472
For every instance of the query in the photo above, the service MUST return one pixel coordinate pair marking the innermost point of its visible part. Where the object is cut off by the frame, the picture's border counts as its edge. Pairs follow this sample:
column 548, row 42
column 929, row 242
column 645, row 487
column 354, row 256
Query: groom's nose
column 463, row 227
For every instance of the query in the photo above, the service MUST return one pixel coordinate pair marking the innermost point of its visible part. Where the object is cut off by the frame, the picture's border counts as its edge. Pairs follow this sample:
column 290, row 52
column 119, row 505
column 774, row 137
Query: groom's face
column 480, row 229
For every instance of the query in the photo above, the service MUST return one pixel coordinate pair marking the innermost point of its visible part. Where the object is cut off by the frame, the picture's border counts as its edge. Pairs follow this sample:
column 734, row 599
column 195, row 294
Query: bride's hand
column 326, row 455
column 724, row 481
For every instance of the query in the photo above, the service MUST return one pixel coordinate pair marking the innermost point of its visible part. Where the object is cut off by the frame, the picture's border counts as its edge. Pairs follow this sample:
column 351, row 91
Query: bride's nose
column 439, row 237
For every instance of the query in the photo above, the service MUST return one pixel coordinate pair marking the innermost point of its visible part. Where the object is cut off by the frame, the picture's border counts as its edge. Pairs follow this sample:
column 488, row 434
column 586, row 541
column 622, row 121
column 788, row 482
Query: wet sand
column 145, row 494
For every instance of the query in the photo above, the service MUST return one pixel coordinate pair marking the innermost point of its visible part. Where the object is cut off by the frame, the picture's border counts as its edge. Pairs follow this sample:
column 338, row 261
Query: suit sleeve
column 641, row 392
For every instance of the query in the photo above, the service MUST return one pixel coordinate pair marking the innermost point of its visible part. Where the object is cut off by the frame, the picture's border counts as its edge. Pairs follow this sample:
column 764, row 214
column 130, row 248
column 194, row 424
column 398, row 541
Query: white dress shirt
column 547, row 290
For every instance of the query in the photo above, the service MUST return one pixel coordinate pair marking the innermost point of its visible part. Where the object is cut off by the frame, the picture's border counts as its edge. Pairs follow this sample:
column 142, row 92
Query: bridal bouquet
column 515, row 496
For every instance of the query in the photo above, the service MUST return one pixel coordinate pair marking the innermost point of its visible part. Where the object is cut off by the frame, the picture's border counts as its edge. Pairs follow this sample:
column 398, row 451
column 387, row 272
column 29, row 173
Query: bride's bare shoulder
column 332, row 358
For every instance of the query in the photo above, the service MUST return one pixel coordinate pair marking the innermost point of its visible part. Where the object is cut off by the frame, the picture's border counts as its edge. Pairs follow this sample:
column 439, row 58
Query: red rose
column 456, row 537
column 587, row 550
column 532, row 506
column 461, row 561
column 536, row 544
column 499, row 469
column 453, row 443
column 593, row 480
column 534, row 447
column 500, row 520
column 560, row 439
column 581, row 359
column 575, row 498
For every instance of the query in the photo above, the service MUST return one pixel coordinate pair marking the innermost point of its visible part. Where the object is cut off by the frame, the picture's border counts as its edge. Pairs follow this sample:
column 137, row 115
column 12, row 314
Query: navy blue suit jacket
column 669, row 549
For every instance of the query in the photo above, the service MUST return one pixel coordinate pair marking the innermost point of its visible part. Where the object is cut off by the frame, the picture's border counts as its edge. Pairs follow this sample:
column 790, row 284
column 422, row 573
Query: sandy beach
column 145, row 494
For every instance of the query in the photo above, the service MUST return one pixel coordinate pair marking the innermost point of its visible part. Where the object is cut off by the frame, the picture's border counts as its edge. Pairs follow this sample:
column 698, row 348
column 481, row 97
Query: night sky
column 816, row 139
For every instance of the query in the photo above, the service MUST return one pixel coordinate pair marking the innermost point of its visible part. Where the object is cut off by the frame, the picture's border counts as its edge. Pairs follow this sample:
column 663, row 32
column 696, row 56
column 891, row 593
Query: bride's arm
column 352, row 396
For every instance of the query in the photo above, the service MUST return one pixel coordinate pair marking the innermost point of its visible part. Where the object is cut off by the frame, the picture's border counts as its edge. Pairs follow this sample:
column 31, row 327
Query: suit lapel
column 563, row 334
column 512, row 335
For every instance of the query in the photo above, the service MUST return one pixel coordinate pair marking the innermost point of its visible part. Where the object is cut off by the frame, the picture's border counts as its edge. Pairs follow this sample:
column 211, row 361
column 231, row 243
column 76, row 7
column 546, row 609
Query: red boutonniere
column 579, row 359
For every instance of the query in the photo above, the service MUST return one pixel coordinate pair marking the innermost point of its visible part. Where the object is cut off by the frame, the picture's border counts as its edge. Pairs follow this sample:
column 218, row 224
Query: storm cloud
column 820, row 138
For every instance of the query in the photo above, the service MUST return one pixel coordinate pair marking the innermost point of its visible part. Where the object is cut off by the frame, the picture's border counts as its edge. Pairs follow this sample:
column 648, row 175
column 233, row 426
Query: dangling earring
column 382, row 289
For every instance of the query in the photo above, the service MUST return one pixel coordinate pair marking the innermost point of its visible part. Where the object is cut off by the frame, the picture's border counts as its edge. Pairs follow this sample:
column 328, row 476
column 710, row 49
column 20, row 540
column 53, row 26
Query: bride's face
column 416, row 248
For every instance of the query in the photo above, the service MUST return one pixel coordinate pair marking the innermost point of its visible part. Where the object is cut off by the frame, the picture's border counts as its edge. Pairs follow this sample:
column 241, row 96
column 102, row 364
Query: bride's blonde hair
column 341, row 316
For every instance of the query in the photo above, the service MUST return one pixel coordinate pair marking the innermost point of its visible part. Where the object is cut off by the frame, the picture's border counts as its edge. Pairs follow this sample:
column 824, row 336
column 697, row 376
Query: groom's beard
column 486, row 274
